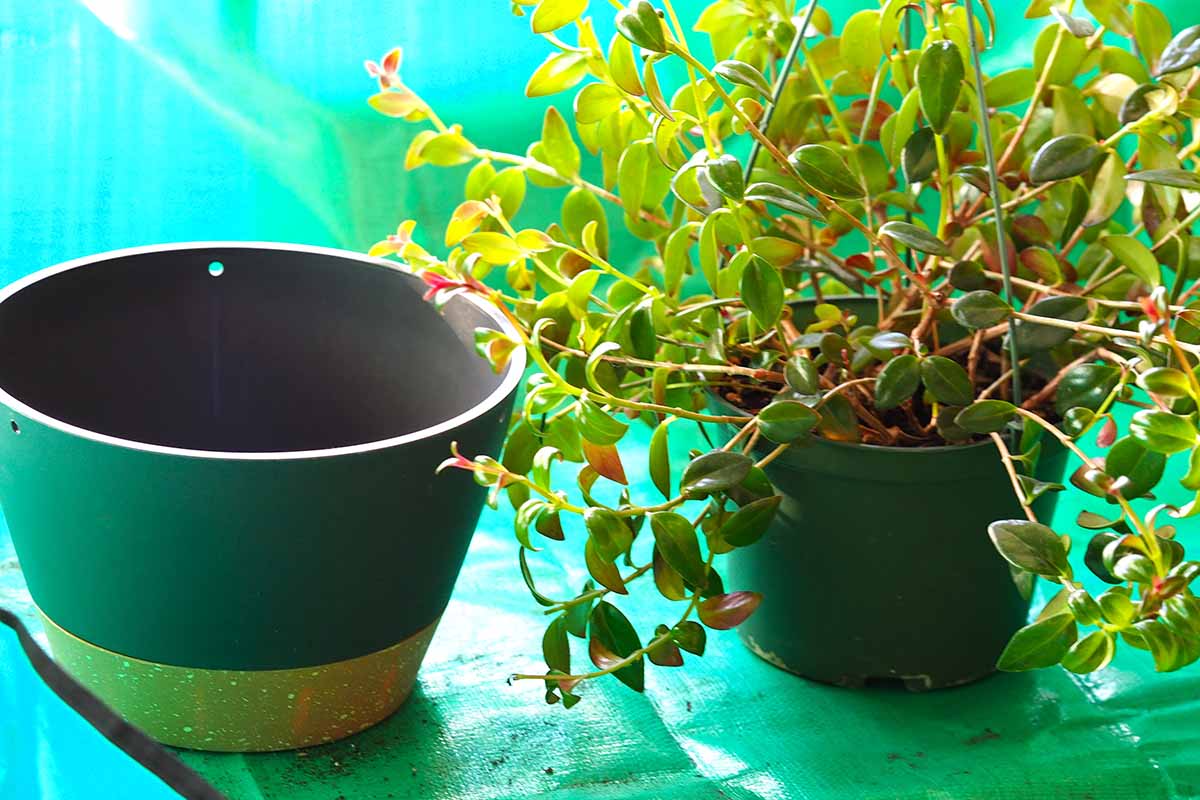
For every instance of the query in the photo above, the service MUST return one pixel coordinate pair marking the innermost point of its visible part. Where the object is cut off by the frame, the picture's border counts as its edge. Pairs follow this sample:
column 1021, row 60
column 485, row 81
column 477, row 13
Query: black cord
column 136, row 744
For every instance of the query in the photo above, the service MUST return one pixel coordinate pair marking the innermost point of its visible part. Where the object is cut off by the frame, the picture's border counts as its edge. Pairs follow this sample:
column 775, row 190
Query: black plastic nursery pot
column 878, row 567
column 218, row 471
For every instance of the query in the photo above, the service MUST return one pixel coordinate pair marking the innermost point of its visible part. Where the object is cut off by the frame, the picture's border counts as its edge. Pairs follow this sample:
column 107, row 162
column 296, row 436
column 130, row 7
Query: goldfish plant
column 1025, row 235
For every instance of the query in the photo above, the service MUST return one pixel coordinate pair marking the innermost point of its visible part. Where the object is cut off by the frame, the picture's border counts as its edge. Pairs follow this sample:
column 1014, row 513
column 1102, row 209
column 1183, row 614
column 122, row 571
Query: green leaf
column 888, row 341
column 1064, row 157
column 680, row 547
column 668, row 582
column 947, row 381
column 762, row 291
column 1181, row 52
column 1165, row 381
column 1032, row 336
column 859, row 45
column 609, row 532
column 691, row 636
column 639, row 23
column 1116, row 605
column 613, row 633
column 555, row 648
column 1136, row 256
column 623, row 66
column 641, row 332
column 605, row 572
column 1162, row 431
column 1090, row 653
column 786, row 421
column 1030, row 546
column 598, row 426
column 968, row 276
column 1084, row 607
column 715, row 471
column 920, row 156
column 915, row 238
column 1010, row 88
column 897, row 381
column 1151, row 32
column 986, row 416
column 784, row 198
column 1178, row 178
column 595, row 102
column 550, row 15
column 802, row 375
column 751, row 521
column 1107, row 191
column 676, row 262
column 560, row 71
column 725, row 173
column 724, row 611
column 1087, row 386
column 448, row 149
column 1042, row 644
column 980, row 309
column 743, row 74
column 1135, row 568
column 824, row 170
column 660, row 461
column 940, row 74
column 1141, row 467
column 527, row 575
column 493, row 247
column 560, row 149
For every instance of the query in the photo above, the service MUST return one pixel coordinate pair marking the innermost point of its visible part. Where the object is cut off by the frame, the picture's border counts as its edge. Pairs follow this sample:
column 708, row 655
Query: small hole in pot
column 15, row 427
column 216, row 268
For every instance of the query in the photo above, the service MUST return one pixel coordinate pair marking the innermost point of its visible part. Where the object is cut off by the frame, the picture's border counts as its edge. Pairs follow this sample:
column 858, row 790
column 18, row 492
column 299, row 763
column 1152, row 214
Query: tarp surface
column 127, row 122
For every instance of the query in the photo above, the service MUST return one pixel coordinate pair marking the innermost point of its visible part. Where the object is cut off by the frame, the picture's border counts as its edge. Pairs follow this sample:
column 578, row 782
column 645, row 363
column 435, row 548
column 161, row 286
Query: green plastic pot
column 218, row 470
column 878, row 568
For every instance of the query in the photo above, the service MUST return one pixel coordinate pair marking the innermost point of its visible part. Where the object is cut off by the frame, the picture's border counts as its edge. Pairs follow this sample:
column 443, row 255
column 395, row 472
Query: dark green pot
column 878, row 567
column 221, row 487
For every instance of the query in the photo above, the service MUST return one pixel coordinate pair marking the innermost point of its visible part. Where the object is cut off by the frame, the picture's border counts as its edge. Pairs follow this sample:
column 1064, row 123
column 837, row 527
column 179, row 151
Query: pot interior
column 241, row 349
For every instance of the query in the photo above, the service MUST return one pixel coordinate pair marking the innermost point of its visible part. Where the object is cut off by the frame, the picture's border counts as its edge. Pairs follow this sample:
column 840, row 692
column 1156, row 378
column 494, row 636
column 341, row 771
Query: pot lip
column 870, row 448
column 516, row 363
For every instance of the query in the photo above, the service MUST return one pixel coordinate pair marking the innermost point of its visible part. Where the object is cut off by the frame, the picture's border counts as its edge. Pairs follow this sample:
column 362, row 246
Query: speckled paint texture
column 246, row 710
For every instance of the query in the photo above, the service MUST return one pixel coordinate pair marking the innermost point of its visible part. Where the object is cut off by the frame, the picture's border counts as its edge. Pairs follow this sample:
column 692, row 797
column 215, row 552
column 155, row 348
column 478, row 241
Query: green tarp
column 131, row 122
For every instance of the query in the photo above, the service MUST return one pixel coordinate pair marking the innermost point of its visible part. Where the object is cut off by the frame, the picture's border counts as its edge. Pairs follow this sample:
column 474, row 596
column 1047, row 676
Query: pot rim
column 516, row 363
column 937, row 448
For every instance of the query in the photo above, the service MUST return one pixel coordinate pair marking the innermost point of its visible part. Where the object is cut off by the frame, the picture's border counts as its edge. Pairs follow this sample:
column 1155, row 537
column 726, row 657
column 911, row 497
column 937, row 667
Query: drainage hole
column 216, row 268
column 15, row 427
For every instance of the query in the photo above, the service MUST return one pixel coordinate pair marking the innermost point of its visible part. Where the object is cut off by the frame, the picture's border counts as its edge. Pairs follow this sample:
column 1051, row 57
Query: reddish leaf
column 1108, row 433
column 601, row 656
column 605, row 460
column 666, row 653
column 726, row 611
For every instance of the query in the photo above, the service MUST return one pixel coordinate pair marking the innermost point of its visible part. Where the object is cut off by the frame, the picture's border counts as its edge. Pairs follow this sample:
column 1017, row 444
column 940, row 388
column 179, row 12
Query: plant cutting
column 895, row 291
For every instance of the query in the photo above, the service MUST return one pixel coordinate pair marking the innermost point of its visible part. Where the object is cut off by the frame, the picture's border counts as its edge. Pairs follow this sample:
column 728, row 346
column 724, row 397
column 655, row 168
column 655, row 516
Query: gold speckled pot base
column 246, row 710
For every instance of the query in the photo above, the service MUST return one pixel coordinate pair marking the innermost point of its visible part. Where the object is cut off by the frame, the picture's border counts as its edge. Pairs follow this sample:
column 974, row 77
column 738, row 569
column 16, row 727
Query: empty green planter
column 218, row 470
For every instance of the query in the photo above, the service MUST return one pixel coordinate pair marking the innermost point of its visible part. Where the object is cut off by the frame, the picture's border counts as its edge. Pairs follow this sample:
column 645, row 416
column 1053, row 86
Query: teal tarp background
column 126, row 122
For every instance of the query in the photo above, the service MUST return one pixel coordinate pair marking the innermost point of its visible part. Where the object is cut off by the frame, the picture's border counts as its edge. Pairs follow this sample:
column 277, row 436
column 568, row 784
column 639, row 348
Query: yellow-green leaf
column 550, row 15
column 558, row 72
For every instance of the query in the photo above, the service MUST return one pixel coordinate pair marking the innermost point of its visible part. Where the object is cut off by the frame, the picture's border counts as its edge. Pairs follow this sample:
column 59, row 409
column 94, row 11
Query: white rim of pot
column 516, row 363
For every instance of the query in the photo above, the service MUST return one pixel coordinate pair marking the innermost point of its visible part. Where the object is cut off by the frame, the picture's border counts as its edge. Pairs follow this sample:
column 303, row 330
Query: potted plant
column 900, row 291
